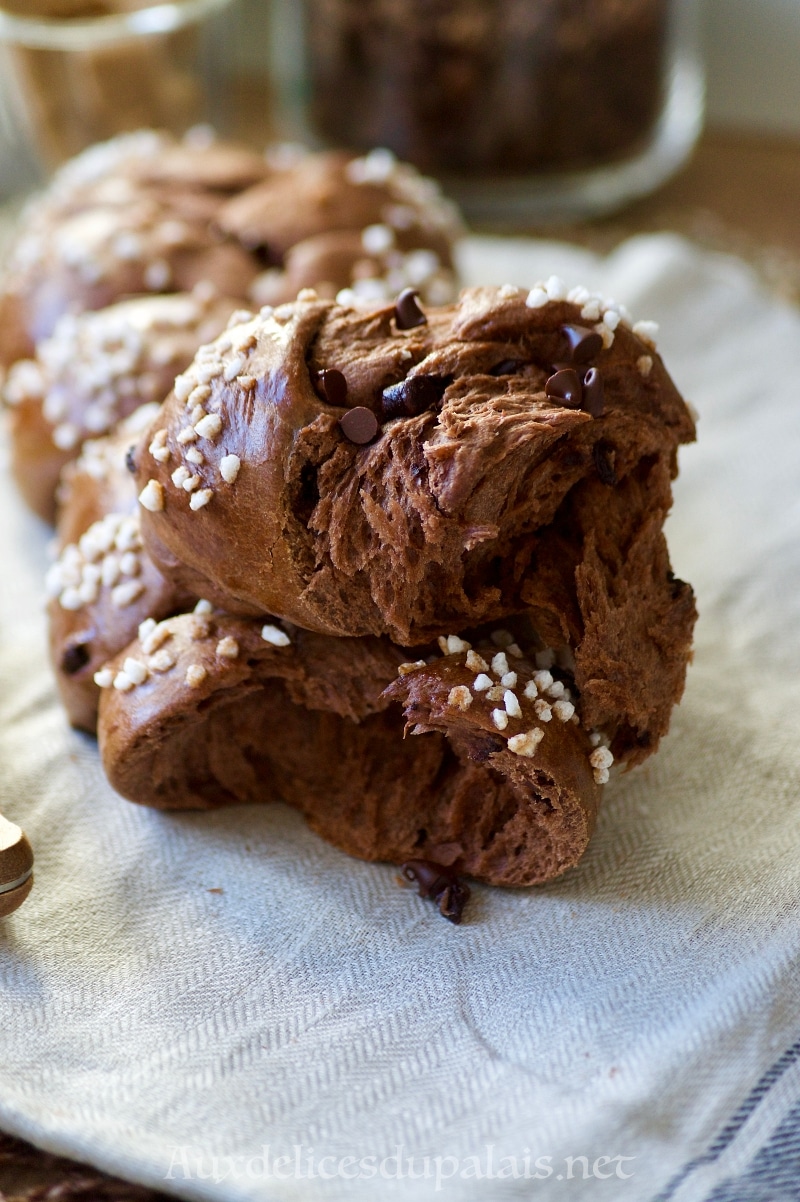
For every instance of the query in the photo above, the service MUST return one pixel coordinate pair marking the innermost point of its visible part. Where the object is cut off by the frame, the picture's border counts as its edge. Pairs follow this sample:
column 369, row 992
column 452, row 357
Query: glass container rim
column 85, row 33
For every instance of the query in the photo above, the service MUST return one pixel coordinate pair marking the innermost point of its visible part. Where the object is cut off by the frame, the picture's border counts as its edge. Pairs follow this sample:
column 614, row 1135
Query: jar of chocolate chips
column 74, row 72
column 526, row 109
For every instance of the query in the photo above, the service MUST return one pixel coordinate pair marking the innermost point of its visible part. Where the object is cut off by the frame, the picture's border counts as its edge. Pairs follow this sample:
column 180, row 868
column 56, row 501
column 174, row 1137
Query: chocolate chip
column 453, row 900
column 440, row 883
column 565, row 387
column 413, row 396
column 507, row 367
column 604, row 455
column 584, row 343
column 130, row 460
column 75, row 657
column 359, row 425
column 480, row 749
column 427, row 874
column 407, row 313
column 333, row 386
column 593, row 393
column 676, row 586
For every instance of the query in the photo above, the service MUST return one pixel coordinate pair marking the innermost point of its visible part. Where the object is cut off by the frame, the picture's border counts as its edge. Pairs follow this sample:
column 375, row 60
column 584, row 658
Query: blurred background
column 751, row 50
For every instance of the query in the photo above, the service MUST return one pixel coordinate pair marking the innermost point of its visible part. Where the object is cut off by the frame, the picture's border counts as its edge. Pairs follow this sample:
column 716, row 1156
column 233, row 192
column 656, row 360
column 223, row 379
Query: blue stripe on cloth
column 774, row 1173
column 732, row 1129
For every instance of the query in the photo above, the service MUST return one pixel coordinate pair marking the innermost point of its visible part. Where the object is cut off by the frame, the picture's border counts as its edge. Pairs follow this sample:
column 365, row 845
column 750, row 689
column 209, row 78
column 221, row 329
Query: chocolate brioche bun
column 365, row 475
column 103, row 585
column 93, row 371
column 134, row 215
column 145, row 213
column 371, row 225
column 190, row 705
column 221, row 713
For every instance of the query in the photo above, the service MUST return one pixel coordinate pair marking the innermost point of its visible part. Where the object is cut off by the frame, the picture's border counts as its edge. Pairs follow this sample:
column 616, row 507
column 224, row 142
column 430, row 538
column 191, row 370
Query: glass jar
column 525, row 109
column 79, row 71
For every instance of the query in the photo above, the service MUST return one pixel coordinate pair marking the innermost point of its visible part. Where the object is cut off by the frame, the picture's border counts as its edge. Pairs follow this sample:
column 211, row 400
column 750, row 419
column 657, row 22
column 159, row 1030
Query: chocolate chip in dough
column 441, row 884
column 413, row 396
column 593, row 401
column 565, row 387
column 130, row 460
column 583, row 342
column 604, row 455
column 480, row 749
column 333, row 386
column 407, row 313
column 359, row 425
column 75, row 657
column 506, row 367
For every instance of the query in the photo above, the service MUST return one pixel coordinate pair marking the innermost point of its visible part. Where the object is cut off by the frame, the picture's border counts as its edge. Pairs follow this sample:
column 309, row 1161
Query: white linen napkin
column 637, row 1016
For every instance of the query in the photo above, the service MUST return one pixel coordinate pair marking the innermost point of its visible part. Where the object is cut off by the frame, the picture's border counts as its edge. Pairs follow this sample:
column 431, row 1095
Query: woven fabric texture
column 223, row 1007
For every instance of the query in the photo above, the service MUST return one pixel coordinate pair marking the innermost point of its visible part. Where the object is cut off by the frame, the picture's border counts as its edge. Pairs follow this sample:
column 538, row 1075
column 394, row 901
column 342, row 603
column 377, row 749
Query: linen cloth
column 180, row 988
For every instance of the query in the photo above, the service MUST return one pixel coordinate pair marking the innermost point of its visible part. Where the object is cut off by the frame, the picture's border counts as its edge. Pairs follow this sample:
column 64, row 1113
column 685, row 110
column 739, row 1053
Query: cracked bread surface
column 497, row 498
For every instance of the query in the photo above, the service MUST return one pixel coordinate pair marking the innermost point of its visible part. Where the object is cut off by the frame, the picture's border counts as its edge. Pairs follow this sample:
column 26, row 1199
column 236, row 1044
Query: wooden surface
column 746, row 183
column 739, row 194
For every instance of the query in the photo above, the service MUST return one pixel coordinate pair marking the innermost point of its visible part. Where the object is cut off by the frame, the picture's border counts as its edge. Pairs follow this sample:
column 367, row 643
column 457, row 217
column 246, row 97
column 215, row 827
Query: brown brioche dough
column 329, row 221
column 337, row 264
column 94, row 370
column 202, row 733
column 605, row 588
column 103, row 584
column 99, row 481
column 495, row 500
column 84, row 635
column 133, row 215
column 200, row 161
column 145, row 213
column 508, row 495
column 315, row 194
column 547, row 804
column 341, row 757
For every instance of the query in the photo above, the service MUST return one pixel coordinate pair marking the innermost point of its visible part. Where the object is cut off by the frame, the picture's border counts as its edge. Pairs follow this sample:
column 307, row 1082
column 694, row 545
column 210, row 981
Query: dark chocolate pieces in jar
column 504, row 88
